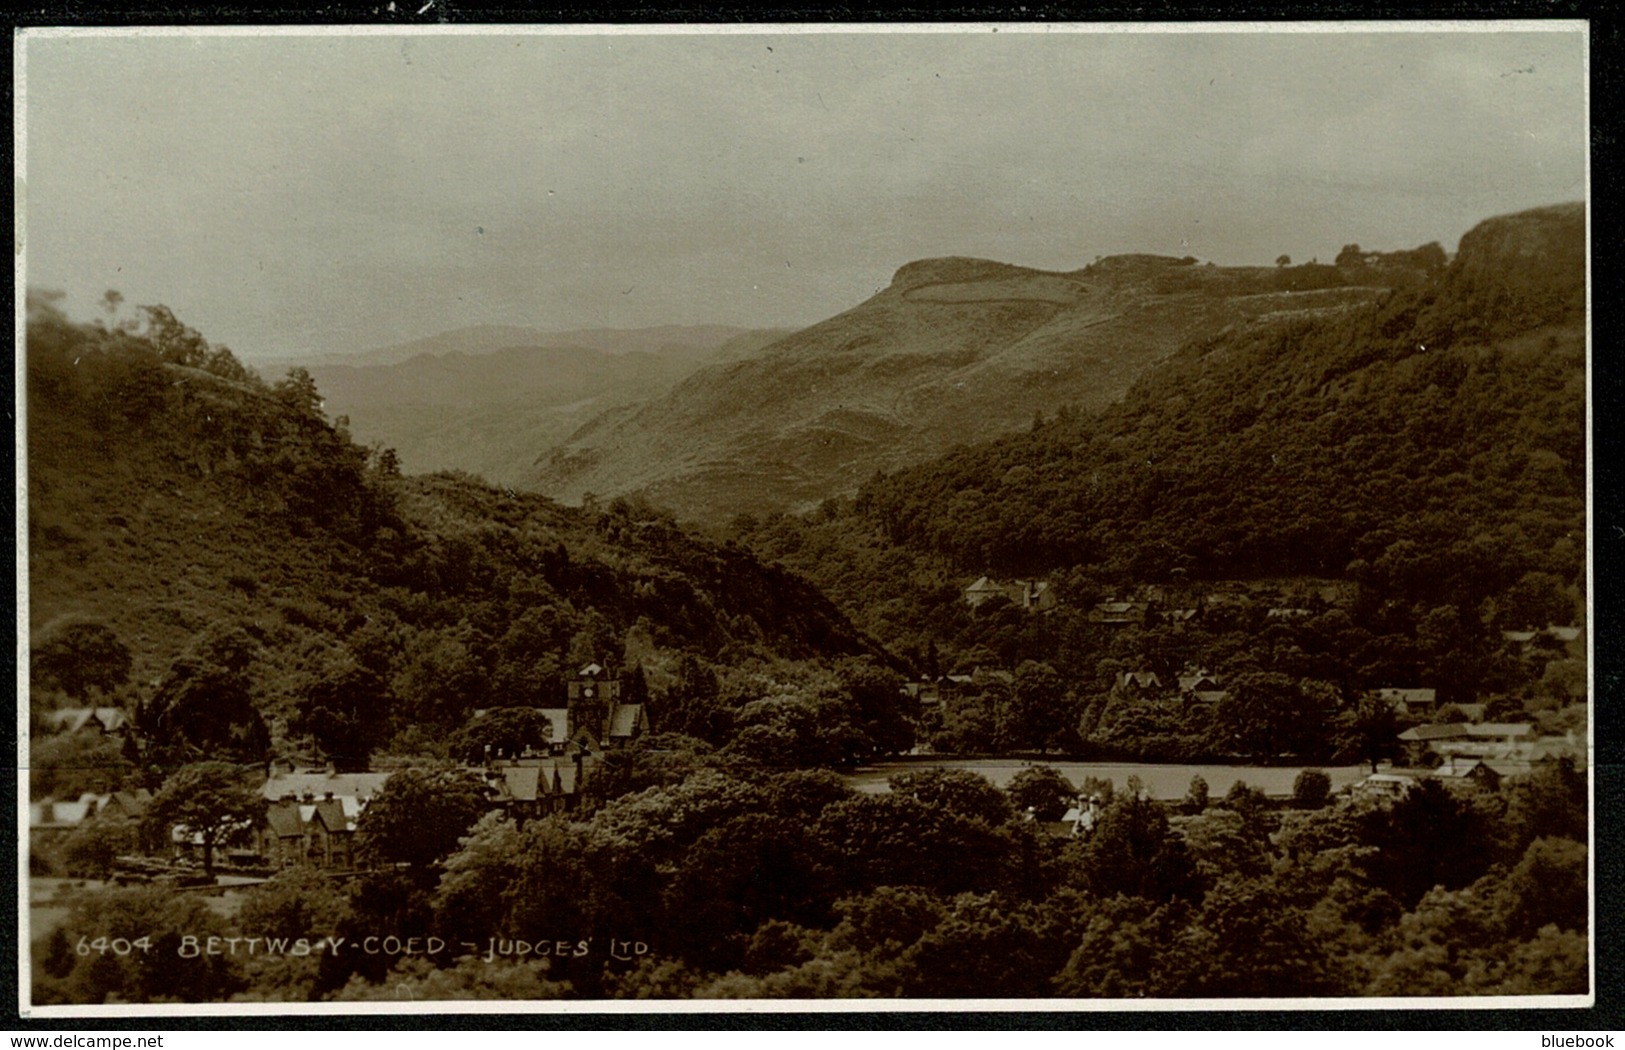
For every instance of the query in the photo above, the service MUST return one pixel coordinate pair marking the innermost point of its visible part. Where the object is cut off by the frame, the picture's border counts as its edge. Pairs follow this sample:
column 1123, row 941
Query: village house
column 1456, row 773
column 61, row 815
column 1118, row 613
column 1197, row 681
column 1139, row 681
column 89, row 719
column 1406, row 701
column 1565, row 640
column 1031, row 595
column 316, row 831
column 311, row 816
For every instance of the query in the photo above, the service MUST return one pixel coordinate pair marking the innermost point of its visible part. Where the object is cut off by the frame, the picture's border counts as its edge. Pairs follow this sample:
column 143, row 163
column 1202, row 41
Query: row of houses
column 67, row 814
column 312, row 815
column 1193, row 686
column 1476, row 754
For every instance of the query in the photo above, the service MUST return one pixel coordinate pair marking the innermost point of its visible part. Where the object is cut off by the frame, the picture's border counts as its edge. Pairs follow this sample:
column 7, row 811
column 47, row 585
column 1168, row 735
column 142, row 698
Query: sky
column 289, row 194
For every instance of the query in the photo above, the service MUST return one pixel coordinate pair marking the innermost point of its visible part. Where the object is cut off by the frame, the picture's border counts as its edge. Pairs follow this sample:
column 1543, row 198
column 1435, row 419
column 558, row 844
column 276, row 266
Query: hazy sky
column 320, row 192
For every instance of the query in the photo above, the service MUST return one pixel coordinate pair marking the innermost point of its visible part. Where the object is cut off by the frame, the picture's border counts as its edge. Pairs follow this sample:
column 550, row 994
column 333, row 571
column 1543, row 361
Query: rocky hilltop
column 954, row 350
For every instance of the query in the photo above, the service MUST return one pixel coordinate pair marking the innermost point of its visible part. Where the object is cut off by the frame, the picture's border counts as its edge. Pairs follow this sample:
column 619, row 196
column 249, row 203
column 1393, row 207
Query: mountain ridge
column 954, row 349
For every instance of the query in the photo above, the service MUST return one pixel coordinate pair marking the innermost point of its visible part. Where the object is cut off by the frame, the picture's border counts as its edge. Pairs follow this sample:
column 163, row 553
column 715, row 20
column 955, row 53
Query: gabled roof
column 133, row 803
column 285, row 822
column 1143, row 679
column 524, row 783
column 73, row 719
column 985, row 585
column 331, row 813
column 1192, row 683
column 591, row 671
column 625, row 720
column 1563, row 634
column 585, row 743
column 1518, row 636
column 1457, row 768
column 1211, row 696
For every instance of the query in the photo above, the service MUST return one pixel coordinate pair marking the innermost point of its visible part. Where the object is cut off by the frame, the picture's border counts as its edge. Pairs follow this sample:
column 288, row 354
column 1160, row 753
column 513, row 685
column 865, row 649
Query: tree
column 419, row 816
column 299, row 391
column 1043, row 791
column 168, row 923
column 1196, row 796
column 1133, row 851
column 176, row 343
column 1283, row 260
column 439, row 681
column 203, row 706
column 503, row 731
column 90, row 850
column 1368, row 732
column 955, row 792
column 880, row 706
column 208, row 800
column 347, row 714
column 79, row 656
column 1264, row 714
column 1311, row 789
column 1034, row 708
column 690, row 705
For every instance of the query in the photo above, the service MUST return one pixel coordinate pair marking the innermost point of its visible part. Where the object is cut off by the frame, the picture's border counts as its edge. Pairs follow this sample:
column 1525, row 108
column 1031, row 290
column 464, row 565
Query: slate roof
column 524, row 783
column 73, row 719
column 360, row 785
column 624, row 720
column 285, row 822
column 331, row 813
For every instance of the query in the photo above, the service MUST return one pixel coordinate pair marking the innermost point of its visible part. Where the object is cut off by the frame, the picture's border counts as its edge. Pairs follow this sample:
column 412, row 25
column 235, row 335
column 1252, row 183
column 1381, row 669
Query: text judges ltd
column 494, row 948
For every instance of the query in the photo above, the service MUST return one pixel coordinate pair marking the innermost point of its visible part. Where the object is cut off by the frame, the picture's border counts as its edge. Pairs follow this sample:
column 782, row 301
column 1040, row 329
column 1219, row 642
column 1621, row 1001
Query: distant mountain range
column 486, row 399
column 955, row 350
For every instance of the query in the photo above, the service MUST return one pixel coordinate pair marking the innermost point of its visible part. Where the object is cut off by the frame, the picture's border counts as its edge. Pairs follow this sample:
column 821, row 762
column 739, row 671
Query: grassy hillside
column 193, row 510
column 954, row 350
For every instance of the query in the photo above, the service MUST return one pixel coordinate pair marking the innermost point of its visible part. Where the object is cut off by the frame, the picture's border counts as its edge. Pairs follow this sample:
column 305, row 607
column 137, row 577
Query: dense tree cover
column 734, row 881
column 331, row 609
column 1423, row 458
column 82, row 658
column 418, row 817
column 208, row 801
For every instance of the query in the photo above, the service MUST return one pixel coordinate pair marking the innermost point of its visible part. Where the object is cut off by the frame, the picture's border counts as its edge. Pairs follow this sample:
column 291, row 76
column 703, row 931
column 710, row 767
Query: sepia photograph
column 783, row 517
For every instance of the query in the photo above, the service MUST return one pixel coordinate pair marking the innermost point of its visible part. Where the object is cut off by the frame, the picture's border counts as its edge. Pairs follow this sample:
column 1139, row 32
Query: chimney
column 328, row 797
